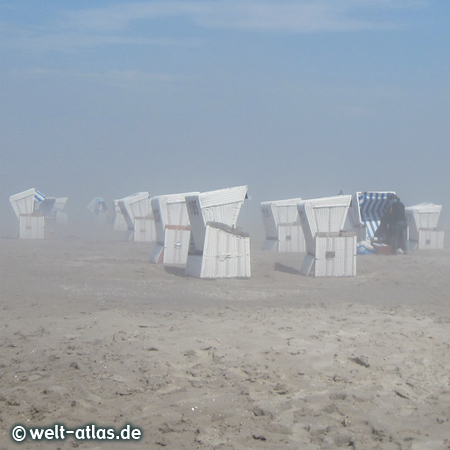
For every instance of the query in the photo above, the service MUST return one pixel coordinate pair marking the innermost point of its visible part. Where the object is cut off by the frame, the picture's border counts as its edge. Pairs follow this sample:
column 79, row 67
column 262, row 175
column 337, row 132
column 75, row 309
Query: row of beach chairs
column 199, row 230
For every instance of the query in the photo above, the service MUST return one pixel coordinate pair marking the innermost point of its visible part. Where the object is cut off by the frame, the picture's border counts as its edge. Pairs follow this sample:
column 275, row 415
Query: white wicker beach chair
column 173, row 230
column 422, row 222
column 282, row 224
column 136, row 211
column 331, row 251
column 218, row 249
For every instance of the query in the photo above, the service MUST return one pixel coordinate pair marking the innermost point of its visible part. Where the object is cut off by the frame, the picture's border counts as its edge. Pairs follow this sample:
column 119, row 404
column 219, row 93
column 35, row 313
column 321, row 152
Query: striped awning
column 39, row 196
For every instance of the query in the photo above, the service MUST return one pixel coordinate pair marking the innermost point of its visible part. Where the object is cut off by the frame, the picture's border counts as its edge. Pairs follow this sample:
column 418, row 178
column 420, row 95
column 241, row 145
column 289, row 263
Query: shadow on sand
column 174, row 270
column 285, row 269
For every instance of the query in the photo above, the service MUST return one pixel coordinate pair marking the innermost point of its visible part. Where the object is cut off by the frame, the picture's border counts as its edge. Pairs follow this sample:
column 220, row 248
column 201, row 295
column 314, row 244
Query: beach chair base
column 225, row 255
column 428, row 240
column 31, row 226
column 334, row 256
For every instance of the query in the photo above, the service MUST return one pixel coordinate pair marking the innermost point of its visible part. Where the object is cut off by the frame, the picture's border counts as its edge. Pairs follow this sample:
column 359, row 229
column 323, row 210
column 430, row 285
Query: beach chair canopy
column 368, row 208
column 170, row 210
column 135, row 205
column 426, row 215
column 280, row 212
column 119, row 222
column 60, row 203
column 117, row 207
column 325, row 215
column 221, row 206
column 97, row 205
column 26, row 202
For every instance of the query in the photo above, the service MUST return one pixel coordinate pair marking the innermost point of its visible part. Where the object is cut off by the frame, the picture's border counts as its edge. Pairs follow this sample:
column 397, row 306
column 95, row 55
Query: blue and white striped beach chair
column 367, row 210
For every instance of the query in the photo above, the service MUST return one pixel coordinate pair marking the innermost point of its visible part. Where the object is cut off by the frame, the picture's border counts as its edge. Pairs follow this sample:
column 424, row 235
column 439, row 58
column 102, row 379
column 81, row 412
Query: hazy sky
column 294, row 98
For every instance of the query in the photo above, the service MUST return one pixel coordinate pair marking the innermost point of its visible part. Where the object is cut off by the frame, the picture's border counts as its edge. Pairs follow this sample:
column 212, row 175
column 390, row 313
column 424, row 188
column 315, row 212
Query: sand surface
column 91, row 332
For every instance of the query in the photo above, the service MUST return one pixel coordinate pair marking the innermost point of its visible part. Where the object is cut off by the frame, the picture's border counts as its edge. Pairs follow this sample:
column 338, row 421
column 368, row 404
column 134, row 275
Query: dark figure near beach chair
column 399, row 225
column 384, row 230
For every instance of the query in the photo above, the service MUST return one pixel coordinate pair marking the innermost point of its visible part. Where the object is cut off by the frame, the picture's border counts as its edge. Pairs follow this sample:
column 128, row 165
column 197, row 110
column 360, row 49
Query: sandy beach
column 92, row 333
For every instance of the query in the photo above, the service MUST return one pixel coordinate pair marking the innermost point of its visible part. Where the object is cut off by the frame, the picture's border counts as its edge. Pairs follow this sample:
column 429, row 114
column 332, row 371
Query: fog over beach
column 296, row 99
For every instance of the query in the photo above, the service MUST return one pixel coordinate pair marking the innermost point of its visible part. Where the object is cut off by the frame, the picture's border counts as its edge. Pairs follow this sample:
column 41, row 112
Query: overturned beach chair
column 26, row 206
column 218, row 249
column 136, row 211
column 119, row 222
column 284, row 231
column 173, row 230
column 330, row 250
column 422, row 222
column 365, row 213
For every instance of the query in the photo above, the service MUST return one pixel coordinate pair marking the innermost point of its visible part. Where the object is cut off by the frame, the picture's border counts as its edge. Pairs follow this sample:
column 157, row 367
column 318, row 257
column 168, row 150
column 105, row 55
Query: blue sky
column 294, row 98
